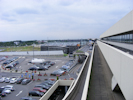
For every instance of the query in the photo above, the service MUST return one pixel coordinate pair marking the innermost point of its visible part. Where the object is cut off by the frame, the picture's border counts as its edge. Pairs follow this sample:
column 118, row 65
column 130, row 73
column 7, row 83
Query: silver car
column 7, row 91
column 13, row 80
column 2, row 79
column 7, row 80
column 9, row 87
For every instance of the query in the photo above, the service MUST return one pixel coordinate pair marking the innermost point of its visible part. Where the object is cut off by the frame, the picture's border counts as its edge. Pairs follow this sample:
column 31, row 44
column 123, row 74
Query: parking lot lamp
column 33, row 51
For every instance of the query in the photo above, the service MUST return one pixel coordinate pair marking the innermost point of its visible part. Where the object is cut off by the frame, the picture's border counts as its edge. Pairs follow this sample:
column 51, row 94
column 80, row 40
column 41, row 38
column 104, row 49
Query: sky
column 59, row 19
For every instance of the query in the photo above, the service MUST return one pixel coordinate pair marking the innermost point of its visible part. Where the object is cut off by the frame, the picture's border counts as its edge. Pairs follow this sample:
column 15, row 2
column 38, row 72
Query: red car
column 39, row 89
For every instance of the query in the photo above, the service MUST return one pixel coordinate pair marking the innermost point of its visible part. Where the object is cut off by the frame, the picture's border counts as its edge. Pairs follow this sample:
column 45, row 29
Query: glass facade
column 123, row 38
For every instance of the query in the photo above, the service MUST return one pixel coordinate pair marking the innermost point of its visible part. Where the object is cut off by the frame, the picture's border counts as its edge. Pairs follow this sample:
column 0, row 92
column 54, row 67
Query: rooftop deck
column 100, row 82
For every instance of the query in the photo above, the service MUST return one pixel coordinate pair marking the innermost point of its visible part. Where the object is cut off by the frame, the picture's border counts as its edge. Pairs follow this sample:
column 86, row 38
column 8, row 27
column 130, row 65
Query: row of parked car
column 14, row 80
column 10, row 63
column 10, row 60
column 42, row 66
column 65, row 68
column 42, row 88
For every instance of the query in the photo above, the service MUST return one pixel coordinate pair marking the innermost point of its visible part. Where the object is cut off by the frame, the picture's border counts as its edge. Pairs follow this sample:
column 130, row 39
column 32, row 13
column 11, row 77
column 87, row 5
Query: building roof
column 123, row 25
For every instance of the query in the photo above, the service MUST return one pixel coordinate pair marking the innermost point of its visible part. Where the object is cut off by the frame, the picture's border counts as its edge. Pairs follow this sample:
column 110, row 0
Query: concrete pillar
column 114, row 83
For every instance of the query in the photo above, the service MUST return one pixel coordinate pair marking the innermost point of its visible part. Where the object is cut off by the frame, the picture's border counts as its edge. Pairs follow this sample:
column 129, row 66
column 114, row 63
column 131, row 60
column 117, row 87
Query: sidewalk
column 100, row 81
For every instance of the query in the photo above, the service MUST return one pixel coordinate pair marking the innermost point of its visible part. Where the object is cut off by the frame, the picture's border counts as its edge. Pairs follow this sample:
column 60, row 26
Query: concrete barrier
column 54, row 87
column 121, row 65
column 75, row 83
column 86, row 86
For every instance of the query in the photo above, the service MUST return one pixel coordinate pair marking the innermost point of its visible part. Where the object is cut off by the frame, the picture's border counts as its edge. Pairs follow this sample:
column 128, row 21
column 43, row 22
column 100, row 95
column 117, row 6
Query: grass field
column 20, row 48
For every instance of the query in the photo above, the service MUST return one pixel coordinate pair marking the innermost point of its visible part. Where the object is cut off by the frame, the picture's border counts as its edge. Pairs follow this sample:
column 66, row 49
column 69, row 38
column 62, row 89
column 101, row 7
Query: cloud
column 59, row 19
column 26, row 11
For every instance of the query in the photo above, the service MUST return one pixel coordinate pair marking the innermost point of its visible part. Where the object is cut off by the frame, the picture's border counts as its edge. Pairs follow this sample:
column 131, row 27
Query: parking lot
column 22, row 71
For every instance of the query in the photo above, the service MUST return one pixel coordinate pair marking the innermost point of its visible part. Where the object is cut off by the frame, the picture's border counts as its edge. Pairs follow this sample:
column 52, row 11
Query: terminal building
column 116, row 44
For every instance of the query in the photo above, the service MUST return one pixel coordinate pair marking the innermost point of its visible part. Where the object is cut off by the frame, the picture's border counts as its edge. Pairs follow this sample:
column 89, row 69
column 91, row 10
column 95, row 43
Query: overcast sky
column 59, row 19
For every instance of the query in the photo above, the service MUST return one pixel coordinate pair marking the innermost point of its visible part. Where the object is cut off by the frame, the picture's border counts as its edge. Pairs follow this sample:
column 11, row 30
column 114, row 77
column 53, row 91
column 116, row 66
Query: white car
column 9, row 87
column 13, row 80
column 2, row 79
column 7, row 80
column 7, row 91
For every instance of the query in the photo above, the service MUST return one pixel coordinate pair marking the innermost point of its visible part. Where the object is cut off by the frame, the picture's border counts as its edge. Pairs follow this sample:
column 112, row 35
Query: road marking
column 57, row 60
column 56, row 66
column 30, row 82
column 19, row 93
column 69, row 75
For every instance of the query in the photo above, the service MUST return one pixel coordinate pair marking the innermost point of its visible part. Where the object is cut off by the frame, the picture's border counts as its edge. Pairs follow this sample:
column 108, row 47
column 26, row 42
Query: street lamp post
column 33, row 51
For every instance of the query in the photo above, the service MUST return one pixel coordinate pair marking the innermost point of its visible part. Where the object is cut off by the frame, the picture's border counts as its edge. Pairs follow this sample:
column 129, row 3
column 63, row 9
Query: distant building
column 17, row 42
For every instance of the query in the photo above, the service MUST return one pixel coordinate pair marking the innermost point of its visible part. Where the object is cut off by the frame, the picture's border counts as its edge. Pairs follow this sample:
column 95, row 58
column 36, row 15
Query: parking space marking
column 30, row 83
column 57, row 60
column 19, row 93
column 56, row 66
column 69, row 75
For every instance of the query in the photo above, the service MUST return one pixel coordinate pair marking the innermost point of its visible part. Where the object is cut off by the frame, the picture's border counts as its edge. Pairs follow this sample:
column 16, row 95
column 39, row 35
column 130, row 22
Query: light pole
column 48, row 46
column 33, row 51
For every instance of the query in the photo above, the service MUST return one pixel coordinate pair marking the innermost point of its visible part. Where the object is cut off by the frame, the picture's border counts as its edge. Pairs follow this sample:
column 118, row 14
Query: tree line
column 17, row 43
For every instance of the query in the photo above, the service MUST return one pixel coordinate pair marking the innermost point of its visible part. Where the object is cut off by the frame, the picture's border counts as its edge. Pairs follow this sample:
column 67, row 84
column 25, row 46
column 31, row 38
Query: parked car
column 39, row 89
column 2, row 93
column 7, row 79
column 46, row 62
column 7, row 62
column 42, row 86
column 2, row 79
column 14, row 58
column 47, row 66
column 46, row 84
column 9, row 87
column 30, row 62
column 33, row 68
column 15, row 63
column 49, row 82
column 41, row 68
column 52, row 63
column 5, row 90
column 69, row 63
column 9, row 66
column 35, row 93
column 25, row 81
column 65, row 68
column 58, row 72
column 19, row 80
column 13, row 80
column 27, row 98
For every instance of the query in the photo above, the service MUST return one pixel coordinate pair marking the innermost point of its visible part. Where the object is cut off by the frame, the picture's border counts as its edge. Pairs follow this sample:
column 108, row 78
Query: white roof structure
column 123, row 25
column 36, row 60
